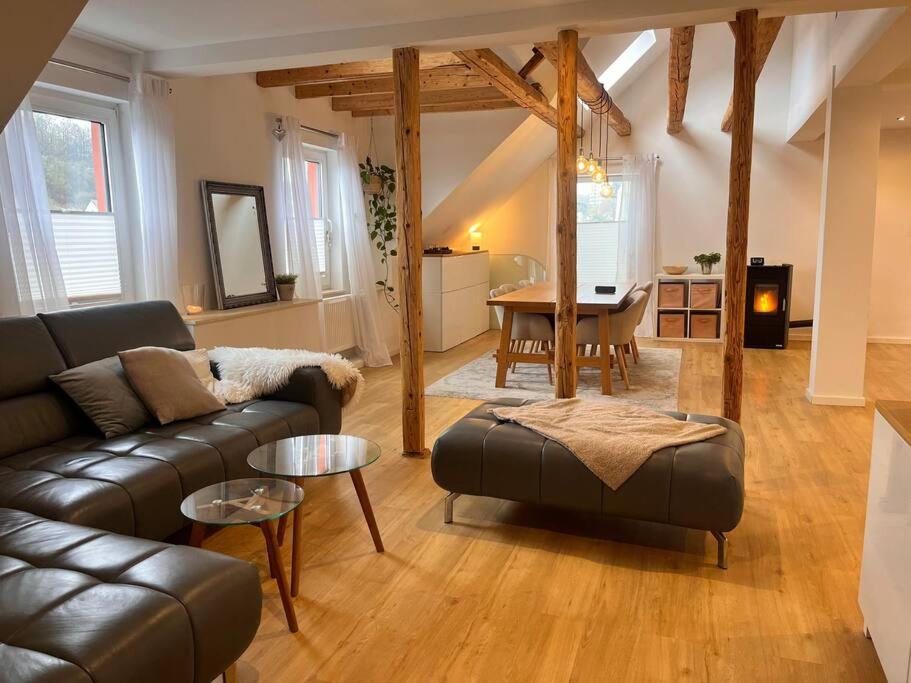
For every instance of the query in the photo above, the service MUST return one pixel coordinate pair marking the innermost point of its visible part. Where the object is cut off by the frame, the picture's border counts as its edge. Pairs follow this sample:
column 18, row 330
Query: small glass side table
column 319, row 455
column 248, row 501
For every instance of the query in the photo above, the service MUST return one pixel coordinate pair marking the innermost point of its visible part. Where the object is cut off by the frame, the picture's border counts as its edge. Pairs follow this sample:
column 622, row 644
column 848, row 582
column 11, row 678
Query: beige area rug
column 653, row 381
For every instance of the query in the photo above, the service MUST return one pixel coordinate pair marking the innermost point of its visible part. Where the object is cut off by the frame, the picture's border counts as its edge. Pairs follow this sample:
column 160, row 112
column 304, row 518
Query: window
column 597, row 229
column 322, row 185
column 80, row 155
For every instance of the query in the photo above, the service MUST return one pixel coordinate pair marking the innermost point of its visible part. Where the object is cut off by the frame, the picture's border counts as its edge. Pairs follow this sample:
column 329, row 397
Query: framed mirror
column 239, row 242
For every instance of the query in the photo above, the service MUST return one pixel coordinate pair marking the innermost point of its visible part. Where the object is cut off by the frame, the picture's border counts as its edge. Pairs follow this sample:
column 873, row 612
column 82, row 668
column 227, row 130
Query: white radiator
column 338, row 319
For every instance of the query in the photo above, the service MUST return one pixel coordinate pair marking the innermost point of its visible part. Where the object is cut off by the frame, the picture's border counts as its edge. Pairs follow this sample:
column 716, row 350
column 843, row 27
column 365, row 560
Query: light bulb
column 607, row 190
column 581, row 163
column 599, row 176
column 591, row 165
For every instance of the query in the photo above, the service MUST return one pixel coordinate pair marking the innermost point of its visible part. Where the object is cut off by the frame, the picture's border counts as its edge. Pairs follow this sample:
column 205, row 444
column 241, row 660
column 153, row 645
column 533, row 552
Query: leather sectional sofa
column 87, row 589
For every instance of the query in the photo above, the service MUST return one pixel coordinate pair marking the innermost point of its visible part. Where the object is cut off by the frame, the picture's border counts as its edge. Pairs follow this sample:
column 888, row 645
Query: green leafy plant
column 285, row 278
column 381, row 227
column 711, row 258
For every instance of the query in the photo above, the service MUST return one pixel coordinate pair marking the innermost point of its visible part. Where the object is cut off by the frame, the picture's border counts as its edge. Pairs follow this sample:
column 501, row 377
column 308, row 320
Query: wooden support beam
column 405, row 63
column 565, row 328
column 345, row 71
column 739, row 210
column 442, row 108
column 680, row 57
column 533, row 63
column 766, row 33
column 591, row 91
column 485, row 62
column 440, row 78
column 384, row 101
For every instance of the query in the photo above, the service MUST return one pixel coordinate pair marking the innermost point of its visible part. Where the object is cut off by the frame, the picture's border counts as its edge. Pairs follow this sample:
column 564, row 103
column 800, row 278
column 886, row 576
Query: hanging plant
column 379, row 182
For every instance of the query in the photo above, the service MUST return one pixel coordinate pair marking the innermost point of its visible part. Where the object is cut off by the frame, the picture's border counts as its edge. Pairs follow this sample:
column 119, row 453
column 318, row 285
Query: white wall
column 693, row 172
column 890, row 312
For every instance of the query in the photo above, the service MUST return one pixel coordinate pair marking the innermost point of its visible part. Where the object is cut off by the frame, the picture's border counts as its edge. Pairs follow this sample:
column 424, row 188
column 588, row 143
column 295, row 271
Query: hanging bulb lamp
column 581, row 163
column 591, row 165
column 607, row 190
column 599, row 176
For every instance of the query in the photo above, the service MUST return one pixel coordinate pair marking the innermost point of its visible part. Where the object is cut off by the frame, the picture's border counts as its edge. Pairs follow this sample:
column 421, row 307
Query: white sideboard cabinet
column 456, row 287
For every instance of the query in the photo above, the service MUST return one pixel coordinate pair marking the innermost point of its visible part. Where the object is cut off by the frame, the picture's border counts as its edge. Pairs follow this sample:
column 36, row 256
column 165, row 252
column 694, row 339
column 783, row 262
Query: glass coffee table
column 248, row 501
column 318, row 455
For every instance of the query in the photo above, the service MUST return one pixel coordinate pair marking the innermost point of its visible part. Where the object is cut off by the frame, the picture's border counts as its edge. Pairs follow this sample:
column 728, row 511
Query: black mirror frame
column 210, row 187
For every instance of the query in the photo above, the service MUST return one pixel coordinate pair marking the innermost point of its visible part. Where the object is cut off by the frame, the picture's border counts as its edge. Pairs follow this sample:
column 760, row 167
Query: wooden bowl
column 674, row 270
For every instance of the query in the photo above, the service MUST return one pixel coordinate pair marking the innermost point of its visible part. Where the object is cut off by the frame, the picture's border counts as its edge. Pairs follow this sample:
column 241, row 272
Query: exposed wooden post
column 679, row 60
column 567, row 106
column 739, row 209
column 406, row 96
column 766, row 33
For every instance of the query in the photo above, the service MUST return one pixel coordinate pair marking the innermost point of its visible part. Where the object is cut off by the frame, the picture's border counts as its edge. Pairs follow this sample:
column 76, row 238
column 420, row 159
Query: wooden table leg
column 503, row 352
column 358, row 481
column 604, row 343
column 297, row 546
column 274, row 558
column 197, row 534
column 282, row 526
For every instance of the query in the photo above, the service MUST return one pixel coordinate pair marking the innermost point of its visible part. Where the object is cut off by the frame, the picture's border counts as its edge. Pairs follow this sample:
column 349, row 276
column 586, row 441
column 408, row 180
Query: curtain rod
column 617, row 158
column 88, row 69
column 320, row 130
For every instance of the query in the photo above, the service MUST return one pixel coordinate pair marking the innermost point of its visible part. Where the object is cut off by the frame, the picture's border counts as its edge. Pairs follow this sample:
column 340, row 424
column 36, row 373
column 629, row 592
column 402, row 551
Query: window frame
column 108, row 114
column 333, row 279
column 618, row 176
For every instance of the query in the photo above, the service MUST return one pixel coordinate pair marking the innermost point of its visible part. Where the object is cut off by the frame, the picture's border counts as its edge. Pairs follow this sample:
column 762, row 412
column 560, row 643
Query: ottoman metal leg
column 722, row 548
column 447, row 507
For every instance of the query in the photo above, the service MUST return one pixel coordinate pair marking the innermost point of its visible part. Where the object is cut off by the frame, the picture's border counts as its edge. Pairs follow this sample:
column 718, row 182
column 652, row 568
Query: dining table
column 541, row 297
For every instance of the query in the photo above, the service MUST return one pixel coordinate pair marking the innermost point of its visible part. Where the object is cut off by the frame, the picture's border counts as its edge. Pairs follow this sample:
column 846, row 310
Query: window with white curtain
column 322, row 182
column 80, row 153
column 597, row 229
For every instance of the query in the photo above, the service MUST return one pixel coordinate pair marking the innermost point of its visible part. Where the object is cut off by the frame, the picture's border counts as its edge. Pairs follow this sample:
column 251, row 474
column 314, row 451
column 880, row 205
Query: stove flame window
column 765, row 299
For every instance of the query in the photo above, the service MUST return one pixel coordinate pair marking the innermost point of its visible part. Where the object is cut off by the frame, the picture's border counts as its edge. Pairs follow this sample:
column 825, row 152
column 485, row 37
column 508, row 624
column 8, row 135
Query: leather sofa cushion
column 91, row 334
column 38, row 419
column 85, row 605
column 133, row 484
column 698, row 485
column 27, row 356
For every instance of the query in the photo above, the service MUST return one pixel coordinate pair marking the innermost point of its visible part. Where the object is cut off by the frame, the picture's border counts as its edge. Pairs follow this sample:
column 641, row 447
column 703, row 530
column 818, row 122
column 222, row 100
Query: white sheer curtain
column 155, row 252
column 636, row 238
column 30, row 277
column 298, row 240
column 359, row 256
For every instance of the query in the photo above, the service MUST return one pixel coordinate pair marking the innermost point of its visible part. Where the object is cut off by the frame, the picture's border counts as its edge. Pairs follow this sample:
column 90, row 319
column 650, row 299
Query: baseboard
column 889, row 340
column 821, row 400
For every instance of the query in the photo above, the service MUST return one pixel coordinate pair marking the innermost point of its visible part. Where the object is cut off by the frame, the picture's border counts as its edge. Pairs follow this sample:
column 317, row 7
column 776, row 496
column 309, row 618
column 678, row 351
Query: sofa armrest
column 311, row 386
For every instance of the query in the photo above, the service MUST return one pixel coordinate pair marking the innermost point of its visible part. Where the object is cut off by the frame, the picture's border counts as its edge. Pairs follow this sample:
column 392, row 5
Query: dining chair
column 622, row 327
column 634, row 347
column 527, row 328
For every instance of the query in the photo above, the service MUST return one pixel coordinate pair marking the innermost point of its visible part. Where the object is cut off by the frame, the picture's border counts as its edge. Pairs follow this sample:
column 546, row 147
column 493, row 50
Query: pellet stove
column 767, row 316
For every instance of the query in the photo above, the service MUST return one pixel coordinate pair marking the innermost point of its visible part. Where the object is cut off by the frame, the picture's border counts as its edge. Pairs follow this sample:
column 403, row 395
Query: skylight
column 627, row 59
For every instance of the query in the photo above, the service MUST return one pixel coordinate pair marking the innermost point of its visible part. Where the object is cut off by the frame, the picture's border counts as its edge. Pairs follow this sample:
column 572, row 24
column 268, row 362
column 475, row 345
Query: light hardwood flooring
column 514, row 593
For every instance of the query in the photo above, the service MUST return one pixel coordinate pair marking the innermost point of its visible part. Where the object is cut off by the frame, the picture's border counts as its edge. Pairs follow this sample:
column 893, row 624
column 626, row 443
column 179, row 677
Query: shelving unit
column 688, row 311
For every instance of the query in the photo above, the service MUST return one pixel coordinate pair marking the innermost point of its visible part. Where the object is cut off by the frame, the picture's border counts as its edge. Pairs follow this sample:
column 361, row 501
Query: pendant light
column 607, row 190
column 581, row 161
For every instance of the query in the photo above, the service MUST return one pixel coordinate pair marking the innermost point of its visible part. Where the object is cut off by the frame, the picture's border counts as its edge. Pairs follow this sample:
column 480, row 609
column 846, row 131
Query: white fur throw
column 248, row 373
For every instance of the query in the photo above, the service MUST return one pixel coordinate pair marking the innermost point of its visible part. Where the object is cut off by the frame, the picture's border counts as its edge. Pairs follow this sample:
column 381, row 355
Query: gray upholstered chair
column 527, row 328
column 622, row 329
column 647, row 288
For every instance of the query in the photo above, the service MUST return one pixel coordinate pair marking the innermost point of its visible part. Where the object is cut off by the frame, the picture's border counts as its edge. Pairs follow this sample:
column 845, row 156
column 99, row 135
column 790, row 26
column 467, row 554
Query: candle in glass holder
column 194, row 298
column 193, row 310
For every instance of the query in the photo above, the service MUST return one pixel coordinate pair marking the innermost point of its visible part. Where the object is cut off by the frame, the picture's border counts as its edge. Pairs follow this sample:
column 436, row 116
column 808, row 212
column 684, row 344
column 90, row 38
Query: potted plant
column 707, row 261
column 285, row 283
column 379, row 185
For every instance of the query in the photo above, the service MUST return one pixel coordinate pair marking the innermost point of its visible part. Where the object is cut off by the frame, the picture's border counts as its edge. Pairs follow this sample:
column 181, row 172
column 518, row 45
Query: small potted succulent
column 285, row 282
column 707, row 261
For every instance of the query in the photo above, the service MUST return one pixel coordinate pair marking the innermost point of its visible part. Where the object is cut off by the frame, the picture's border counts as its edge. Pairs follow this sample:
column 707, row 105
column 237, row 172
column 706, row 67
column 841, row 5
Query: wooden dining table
column 541, row 297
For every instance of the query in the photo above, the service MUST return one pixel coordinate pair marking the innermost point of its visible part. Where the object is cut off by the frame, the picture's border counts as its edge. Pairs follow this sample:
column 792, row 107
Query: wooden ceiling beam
column 680, row 58
column 766, row 33
column 534, row 61
column 591, row 91
column 346, row 71
column 443, row 108
column 384, row 100
column 440, row 78
column 485, row 62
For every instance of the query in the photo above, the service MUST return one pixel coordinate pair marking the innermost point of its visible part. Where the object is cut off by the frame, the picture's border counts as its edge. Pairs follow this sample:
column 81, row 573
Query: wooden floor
column 509, row 592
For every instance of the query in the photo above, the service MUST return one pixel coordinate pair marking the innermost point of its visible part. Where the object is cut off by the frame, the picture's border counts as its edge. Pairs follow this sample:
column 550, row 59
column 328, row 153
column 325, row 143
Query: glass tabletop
column 317, row 455
column 242, row 501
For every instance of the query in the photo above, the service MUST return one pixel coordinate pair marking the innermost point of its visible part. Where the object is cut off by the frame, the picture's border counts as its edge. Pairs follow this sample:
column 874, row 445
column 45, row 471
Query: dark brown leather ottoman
column 78, row 604
column 698, row 486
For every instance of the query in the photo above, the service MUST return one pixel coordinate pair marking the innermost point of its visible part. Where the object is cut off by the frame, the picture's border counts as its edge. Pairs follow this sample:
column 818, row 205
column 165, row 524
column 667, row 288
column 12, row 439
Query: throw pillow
column 199, row 361
column 166, row 383
column 101, row 390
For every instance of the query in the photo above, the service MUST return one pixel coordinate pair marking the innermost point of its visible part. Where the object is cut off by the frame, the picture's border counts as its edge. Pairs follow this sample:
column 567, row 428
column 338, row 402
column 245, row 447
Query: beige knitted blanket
column 612, row 439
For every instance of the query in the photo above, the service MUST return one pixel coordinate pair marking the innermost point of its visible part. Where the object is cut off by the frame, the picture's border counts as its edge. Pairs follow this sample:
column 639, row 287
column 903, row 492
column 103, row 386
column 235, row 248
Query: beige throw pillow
column 199, row 361
column 165, row 381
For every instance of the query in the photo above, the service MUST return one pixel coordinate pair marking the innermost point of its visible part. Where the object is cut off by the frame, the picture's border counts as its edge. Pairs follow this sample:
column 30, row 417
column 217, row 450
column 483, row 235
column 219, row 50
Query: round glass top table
column 318, row 455
column 256, row 501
